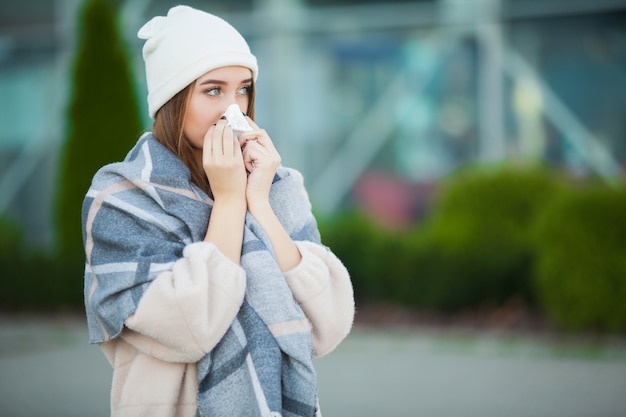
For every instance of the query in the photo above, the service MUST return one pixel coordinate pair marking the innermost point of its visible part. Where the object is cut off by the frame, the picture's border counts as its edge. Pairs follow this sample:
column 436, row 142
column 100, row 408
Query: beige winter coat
column 154, row 358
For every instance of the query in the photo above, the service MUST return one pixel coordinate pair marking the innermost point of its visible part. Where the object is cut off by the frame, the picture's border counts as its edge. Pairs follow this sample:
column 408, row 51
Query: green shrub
column 581, row 259
column 10, row 251
column 476, row 248
column 35, row 280
column 38, row 281
column 11, row 239
column 373, row 255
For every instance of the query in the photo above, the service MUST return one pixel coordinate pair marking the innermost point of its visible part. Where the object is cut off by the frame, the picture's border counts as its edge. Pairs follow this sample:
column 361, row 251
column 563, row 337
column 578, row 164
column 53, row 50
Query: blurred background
column 461, row 155
column 358, row 95
column 465, row 159
column 445, row 143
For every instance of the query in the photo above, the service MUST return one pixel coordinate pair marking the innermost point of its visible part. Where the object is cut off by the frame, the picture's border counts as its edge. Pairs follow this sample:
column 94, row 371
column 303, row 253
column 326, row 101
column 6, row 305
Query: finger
column 259, row 136
column 237, row 149
column 248, row 159
column 254, row 134
column 217, row 138
column 228, row 141
column 251, row 123
column 245, row 137
column 265, row 141
column 207, row 146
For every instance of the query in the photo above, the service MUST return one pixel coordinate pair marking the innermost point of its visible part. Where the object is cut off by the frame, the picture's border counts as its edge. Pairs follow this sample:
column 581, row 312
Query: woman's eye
column 212, row 92
column 244, row 91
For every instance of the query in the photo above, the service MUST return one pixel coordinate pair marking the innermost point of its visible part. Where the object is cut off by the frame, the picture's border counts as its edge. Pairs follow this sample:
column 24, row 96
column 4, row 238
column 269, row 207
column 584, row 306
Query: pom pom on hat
column 184, row 45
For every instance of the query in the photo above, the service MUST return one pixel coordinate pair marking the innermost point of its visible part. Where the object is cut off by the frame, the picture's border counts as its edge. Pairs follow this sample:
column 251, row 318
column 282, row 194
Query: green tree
column 103, row 116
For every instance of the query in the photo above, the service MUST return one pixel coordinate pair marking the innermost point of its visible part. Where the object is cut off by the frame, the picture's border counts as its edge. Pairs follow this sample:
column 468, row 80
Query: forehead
column 231, row 73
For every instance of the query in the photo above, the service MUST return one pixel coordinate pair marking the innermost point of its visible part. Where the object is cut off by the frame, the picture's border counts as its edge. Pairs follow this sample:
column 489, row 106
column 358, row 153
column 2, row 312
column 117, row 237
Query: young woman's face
column 210, row 96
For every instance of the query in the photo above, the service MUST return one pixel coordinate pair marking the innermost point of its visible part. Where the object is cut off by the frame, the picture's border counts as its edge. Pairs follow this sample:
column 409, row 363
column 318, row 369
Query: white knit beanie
column 184, row 45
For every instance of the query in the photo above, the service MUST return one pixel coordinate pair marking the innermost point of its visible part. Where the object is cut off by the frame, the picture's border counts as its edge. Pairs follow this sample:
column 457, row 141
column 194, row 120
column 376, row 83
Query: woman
column 206, row 284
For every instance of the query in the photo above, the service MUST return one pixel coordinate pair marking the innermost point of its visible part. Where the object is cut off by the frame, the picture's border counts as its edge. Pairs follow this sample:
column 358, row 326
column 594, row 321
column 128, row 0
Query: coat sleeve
column 321, row 285
column 185, row 312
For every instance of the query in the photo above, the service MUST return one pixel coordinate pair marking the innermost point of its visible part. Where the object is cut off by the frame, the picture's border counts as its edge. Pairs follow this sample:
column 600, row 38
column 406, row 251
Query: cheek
column 243, row 103
column 193, row 131
column 198, row 120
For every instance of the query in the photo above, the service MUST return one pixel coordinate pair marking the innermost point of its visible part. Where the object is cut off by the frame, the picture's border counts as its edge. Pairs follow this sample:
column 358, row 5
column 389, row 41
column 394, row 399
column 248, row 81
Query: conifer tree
column 103, row 119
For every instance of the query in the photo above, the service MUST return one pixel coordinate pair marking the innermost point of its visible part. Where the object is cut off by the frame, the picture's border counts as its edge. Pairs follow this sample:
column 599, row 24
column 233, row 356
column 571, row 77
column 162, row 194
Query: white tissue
column 236, row 120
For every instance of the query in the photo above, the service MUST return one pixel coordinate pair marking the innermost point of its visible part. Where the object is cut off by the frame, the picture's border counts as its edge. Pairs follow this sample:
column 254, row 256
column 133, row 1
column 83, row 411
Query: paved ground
column 48, row 370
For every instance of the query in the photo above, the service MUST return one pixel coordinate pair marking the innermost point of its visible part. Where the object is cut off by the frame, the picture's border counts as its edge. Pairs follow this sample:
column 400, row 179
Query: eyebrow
column 220, row 82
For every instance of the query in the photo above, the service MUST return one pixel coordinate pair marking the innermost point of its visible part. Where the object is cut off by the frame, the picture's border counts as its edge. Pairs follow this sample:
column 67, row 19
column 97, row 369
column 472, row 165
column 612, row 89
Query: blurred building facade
column 373, row 101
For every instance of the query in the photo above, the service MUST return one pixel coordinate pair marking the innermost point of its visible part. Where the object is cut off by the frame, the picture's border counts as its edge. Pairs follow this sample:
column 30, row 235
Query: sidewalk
column 48, row 370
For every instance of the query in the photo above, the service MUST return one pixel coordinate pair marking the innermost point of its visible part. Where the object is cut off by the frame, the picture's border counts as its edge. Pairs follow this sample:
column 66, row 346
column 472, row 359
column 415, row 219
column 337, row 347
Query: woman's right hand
column 222, row 161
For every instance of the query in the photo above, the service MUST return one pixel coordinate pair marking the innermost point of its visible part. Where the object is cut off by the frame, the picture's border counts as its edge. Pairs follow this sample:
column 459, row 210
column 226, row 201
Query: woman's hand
column 222, row 161
column 261, row 160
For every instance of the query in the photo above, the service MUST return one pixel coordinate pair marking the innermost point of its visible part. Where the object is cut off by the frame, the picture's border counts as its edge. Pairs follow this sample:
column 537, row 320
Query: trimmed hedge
column 476, row 248
column 41, row 282
column 494, row 236
column 370, row 252
column 34, row 280
column 11, row 240
column 580, row 244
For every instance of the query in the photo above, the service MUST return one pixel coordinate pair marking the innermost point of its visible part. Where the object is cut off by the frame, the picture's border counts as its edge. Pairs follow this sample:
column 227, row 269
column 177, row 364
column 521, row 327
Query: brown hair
column 168, row 129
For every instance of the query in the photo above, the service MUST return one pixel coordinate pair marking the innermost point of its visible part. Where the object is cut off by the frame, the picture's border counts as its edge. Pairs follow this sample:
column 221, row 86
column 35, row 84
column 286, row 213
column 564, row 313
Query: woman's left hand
column 261, row 160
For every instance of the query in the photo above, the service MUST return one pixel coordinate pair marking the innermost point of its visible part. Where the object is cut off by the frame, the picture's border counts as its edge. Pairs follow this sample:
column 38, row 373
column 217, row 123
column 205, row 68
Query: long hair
column 168, row 129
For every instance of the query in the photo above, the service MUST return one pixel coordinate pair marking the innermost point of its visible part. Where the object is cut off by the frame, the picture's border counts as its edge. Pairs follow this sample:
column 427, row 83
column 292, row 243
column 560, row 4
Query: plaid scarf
column 138, row 216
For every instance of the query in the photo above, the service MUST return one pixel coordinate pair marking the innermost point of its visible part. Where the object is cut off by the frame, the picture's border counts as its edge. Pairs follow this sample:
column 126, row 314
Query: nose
column 229, row 101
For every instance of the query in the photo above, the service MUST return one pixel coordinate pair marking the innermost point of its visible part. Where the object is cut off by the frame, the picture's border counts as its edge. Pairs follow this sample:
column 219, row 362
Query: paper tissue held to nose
column 236, row 120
